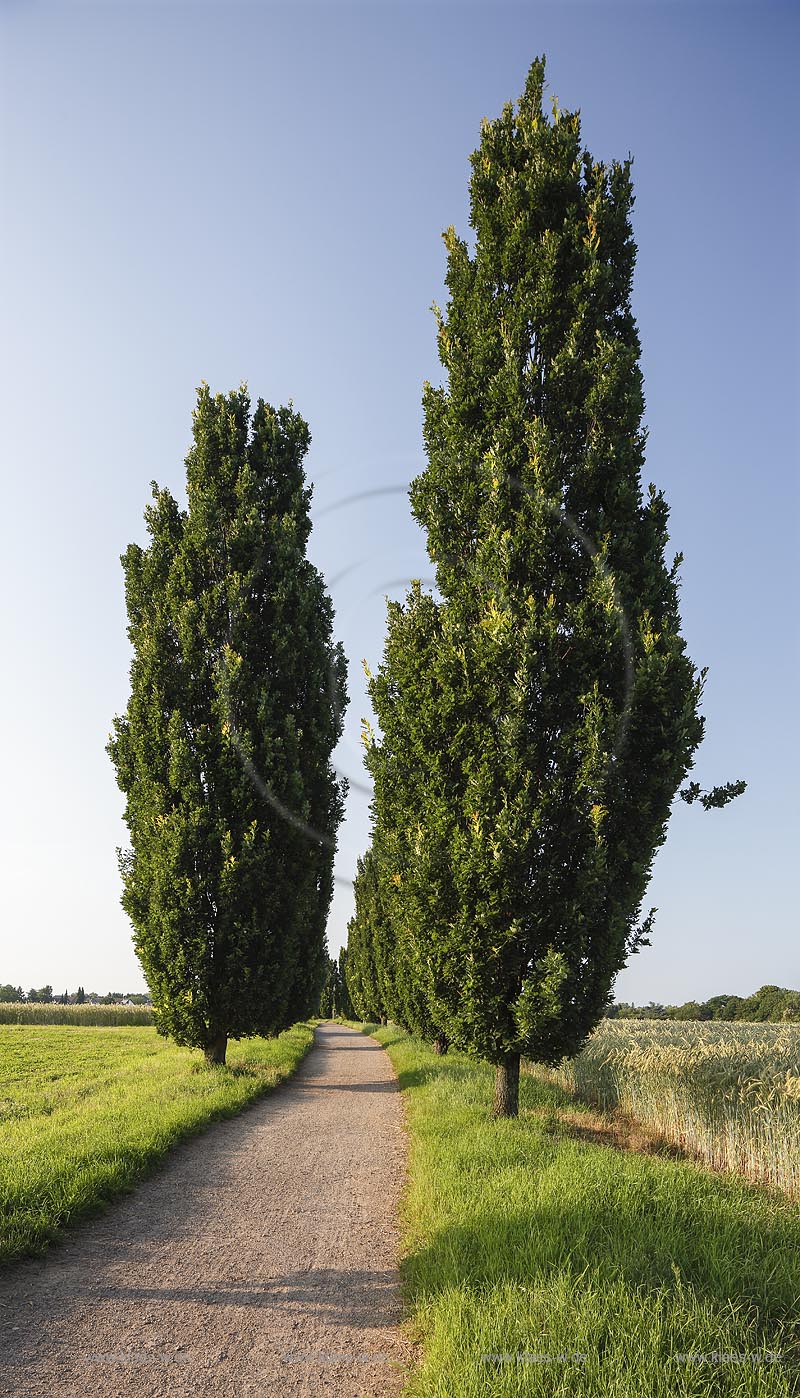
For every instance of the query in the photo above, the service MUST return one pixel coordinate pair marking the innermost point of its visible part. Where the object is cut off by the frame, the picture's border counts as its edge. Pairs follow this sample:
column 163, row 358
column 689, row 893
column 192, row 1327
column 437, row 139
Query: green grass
column 86, row 1113
column 523, row 1240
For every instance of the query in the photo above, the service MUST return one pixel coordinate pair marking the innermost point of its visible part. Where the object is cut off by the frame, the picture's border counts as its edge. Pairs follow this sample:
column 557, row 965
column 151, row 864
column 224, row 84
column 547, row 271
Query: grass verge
column 539, row 1262
column 86, row 1113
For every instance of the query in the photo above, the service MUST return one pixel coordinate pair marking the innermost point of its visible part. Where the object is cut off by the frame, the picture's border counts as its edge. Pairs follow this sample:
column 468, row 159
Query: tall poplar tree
column 224, row 752
column 344, row 1005
column 328, row 991
column 536, row 720
column 366, row 934
column 385, row 979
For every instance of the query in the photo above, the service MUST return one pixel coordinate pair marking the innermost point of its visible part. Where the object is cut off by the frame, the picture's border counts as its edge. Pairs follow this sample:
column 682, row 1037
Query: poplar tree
column 386, row 980
column 366, row 933
column 344, row 1005
column 327, row 993
column 224, row 752
column 537, row 718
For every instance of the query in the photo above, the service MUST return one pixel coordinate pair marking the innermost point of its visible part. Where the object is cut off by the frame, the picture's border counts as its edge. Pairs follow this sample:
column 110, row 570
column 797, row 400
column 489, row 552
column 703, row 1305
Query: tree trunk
column 216, row 1049
column 506, row 1087
column 440, row 1044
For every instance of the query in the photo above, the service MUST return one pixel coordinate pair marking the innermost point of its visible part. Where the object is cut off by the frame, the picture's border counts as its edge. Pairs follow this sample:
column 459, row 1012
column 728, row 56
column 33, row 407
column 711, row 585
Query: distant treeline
column 335, row 997
column 15, row 995
column 769, row 1004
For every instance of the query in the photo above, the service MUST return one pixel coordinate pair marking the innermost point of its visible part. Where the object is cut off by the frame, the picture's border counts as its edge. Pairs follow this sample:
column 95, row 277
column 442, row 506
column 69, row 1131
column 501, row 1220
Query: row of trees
column 535, row 718
column 772, row 1003
column 15, row 995
column 335, row 997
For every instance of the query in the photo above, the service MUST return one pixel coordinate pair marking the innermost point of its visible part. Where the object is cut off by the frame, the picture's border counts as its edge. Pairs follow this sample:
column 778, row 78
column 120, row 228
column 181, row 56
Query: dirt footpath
column 261, row 1259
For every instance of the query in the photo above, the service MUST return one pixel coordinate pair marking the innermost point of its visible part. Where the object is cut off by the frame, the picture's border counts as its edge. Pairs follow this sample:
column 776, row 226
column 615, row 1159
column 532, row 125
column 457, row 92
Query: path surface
column 261, row 1259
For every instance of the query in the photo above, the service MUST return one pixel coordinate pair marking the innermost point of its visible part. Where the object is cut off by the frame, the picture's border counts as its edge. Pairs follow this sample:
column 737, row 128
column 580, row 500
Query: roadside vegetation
column 729, row 1093
column 539, row 1262
column 86, row 1113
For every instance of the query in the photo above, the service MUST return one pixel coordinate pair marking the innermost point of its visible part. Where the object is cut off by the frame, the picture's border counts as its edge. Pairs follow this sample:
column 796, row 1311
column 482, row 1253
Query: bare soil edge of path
column 261, row 1258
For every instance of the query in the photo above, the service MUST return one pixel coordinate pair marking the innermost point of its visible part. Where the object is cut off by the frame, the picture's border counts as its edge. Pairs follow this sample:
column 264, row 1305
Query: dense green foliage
column 539, row 1263
column 86, row 1113
column 42, row 996
column 327, row 996
column 343, row 1001
column 369, row 942
column 11, row 994
column 537, row 718
column 770, row 1003
column 334, row 1000
column 383, row 978
column 237, row 702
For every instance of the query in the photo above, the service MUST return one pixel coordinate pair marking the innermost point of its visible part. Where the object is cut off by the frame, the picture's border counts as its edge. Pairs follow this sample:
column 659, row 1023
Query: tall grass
column 75, row 1014
column 729, row 1093
column 539, row 1263
column 85, row 1113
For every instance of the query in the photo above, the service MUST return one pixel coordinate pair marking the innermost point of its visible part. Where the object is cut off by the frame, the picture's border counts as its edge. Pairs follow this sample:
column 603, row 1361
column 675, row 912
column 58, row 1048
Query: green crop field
column 23, row 1013
column 727, row 1092
column 538, row 1262
column 85, row 1112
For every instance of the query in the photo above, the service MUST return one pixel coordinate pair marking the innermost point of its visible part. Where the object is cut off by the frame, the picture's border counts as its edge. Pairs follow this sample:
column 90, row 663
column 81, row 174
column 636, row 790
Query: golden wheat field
column 727, row 1092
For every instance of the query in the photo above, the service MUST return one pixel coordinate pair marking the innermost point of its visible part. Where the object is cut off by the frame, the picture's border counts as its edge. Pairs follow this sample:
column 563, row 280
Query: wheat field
column 726, row 1092
column 84, row 1016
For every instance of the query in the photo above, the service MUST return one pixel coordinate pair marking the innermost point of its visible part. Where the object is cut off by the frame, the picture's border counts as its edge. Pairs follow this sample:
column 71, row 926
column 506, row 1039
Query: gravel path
column 261, row 1259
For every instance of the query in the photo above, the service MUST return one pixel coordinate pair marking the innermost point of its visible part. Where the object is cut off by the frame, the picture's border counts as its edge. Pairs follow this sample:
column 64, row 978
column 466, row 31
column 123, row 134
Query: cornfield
column 83, row 1015
column 728, row 1093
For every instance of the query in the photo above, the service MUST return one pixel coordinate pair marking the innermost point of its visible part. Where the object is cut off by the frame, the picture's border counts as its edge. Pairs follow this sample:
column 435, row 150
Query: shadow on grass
column 452, row 1070
column 548, row 1204
column 721, row 1265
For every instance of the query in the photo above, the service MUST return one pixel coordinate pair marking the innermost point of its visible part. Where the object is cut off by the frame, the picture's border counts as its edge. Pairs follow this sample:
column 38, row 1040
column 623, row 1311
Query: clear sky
column 254, row 191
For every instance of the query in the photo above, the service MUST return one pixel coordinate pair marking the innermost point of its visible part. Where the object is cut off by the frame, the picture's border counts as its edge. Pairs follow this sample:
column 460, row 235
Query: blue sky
column 224, row 192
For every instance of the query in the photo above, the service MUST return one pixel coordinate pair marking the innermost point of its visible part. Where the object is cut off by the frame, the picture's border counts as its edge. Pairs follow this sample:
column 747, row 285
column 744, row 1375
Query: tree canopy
column 537, row 716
